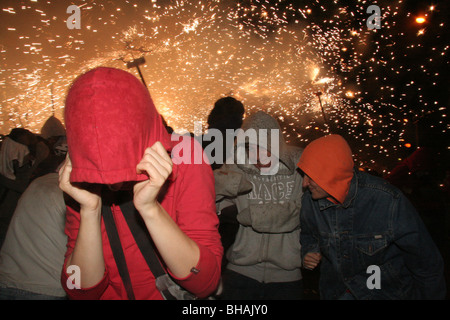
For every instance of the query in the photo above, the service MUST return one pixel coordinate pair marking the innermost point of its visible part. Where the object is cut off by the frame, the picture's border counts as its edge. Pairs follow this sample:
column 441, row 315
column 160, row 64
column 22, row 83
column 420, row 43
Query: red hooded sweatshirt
column 110, row 121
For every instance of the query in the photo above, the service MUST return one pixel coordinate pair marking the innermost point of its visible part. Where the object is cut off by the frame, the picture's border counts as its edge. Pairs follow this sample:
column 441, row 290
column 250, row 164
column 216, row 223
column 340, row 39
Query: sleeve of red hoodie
column 196, row 216
column 71, row 229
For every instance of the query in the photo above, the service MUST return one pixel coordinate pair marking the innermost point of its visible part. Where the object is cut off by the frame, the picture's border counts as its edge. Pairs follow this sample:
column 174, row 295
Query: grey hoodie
column 267, row 244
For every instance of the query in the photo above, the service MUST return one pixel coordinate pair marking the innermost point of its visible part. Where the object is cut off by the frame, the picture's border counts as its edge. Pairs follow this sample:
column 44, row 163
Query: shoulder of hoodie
column 294, row 152
column 366, row 180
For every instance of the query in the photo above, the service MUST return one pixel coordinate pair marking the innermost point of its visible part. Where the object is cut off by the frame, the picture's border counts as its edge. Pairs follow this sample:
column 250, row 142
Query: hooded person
column 366, row 235
column 118, row 148
column 333, row 171
column 263, row 182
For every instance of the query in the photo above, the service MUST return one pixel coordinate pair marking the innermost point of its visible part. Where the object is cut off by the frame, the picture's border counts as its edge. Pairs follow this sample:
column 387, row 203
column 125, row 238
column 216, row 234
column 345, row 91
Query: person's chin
column 316, row 196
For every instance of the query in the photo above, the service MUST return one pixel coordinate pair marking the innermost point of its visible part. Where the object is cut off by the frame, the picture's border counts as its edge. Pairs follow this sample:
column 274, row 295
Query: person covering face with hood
column 368, row 238
column 119, row 148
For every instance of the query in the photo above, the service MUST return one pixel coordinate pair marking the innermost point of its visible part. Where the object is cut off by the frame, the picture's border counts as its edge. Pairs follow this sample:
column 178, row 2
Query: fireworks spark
column 273, row 55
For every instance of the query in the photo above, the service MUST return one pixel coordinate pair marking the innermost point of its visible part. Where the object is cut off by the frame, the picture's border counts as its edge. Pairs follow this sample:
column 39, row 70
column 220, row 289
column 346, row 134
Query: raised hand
column 157, row 164
column 87, row 196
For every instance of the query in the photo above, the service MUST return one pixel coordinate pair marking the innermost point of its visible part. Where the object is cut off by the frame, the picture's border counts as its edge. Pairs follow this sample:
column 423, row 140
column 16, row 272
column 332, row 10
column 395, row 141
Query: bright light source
column 420, row 20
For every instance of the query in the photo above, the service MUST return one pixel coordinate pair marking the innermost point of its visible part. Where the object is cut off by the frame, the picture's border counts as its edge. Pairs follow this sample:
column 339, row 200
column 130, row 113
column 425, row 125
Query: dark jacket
column 376, row 225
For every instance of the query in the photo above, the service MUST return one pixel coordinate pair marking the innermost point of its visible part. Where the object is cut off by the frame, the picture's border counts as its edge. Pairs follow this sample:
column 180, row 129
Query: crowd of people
column 105, row 208
column 32, row 213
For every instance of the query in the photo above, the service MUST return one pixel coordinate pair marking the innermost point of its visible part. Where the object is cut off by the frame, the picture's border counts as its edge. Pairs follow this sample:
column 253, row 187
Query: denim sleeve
column 308, row 239
column 421, row 255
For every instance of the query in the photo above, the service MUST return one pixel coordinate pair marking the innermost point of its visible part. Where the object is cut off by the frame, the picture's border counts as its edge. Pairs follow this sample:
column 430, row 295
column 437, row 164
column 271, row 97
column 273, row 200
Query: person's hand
column 88, row 197
column 311, row 260
column 157, row 164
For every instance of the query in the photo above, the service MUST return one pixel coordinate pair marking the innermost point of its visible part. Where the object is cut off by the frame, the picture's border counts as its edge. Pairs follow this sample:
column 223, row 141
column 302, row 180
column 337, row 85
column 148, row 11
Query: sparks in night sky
column 314, row 65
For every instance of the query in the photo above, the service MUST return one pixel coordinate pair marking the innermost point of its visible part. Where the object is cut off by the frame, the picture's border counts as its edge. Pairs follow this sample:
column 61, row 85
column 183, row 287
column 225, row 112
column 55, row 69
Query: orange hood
column 329, row 162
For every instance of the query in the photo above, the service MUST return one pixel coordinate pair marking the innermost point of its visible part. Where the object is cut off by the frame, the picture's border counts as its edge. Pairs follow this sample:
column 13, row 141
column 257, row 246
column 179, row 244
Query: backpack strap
column 147, row 248
column 117, row 250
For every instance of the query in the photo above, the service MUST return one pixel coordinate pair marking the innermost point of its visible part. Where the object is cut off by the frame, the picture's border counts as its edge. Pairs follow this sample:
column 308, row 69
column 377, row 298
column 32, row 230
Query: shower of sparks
column 275, row 56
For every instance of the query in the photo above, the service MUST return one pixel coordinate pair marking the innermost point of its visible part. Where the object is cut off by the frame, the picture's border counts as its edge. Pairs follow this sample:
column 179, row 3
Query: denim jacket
column 375, row 226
